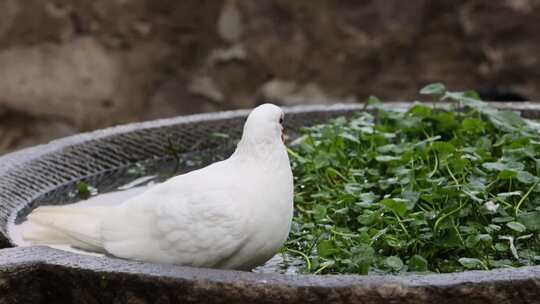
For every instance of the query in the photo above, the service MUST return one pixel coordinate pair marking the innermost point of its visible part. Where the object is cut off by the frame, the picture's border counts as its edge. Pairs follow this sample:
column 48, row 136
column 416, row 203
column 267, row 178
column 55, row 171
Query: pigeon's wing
column 201, row 228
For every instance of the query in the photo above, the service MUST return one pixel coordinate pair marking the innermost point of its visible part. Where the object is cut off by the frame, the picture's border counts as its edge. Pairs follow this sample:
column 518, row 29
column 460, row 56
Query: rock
column 229, row 24
column 290, row 93
column 206, row 87
column 525, row 6
column 144, row 29
column 75, row 81
column 9, row 9
column 236, row 52
column 173, row 98
column 57, row 10
column 19, row 129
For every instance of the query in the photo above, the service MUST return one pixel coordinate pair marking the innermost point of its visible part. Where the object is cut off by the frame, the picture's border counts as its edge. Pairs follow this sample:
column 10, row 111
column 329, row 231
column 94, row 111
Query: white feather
column 232, row 214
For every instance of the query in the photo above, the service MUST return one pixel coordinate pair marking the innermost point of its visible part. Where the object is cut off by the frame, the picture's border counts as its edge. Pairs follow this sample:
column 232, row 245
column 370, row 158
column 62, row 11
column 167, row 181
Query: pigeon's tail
column 76, row 226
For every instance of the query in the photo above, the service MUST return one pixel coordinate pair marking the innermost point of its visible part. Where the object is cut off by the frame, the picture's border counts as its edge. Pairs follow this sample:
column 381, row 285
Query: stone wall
column 71, row 66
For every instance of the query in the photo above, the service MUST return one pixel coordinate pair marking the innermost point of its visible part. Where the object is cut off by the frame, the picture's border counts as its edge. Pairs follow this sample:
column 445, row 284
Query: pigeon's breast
column 265, row 192
column 271, row 212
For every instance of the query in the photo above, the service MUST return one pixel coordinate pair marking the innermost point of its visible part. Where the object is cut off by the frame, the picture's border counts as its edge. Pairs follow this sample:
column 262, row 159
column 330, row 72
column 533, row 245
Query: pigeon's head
column 264, row 125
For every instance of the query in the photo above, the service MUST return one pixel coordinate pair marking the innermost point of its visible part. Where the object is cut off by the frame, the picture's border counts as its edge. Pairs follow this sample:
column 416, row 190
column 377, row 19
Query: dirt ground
column 72, row 66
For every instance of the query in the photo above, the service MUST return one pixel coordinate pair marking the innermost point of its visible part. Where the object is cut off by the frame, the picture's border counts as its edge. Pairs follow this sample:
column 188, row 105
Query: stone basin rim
column 39, row 256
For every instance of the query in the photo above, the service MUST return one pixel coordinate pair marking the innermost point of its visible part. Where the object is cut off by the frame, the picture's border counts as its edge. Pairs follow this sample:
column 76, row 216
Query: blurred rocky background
column 72, row 66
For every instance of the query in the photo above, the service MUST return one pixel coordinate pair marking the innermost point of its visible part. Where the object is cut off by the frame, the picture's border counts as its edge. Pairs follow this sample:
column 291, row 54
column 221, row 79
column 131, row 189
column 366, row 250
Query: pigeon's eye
column 281, row 120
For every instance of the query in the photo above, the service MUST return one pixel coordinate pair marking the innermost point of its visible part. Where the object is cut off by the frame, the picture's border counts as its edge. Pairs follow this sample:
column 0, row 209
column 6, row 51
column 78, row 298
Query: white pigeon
column 232, row 214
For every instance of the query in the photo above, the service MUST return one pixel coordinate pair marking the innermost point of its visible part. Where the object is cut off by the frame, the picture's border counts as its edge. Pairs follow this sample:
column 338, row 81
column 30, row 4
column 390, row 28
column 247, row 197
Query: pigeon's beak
column 282, row 135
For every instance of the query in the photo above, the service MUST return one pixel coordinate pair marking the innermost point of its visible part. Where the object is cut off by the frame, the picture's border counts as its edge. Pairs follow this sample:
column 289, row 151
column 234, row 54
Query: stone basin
column 45, row 275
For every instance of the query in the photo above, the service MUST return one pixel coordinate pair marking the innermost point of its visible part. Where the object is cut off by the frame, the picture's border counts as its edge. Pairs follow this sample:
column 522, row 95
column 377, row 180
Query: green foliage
column 424, row 190
column 433, row 89
column 82, row 190
column 137, row 170
column 85, row 191
column 418, row 263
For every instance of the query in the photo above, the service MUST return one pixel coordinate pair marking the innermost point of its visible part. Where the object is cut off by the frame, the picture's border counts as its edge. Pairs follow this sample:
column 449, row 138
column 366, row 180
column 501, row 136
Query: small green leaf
column 494, row 166
column 507, row 120
column 386, row 158
column 507, row 174
column 399, row 207
column 499, row 166
column 386, row 148
column 353, row 188
column 473, row 125
column 526, row 178
column 485, row 237
column 531, row 220
column 446, row 121
column 516, row 226
column 504, row 219
column 418, row 263
column 373, row 100
column 394, row 263
column 443, row 147
column 411, row 198
column 83, row 190
column 363, row 257
column 471, row 102
column 420, row 110
column 326, row 248
column 368, row 197
column 350, row 137
column 470, row 263
column 471, row 241
column 503, row 247
column 433, row 89
column 493, row 227
column 138, row 170
column 368, row 218
column 472, row 94
column 504, row 263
